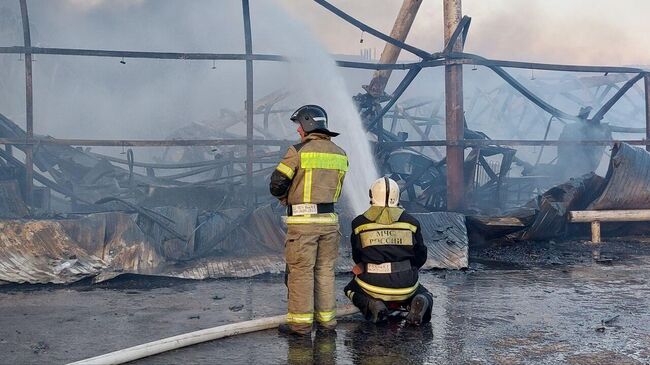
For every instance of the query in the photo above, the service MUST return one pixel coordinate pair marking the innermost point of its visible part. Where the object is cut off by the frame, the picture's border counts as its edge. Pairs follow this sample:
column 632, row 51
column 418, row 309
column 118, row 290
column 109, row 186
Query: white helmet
column 384, row 192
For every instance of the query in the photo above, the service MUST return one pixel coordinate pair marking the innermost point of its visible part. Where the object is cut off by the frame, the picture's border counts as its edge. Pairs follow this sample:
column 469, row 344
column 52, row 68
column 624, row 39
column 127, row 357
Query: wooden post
column 646, row 79
column 29, row 104
column 595, row 240
column 249, row 98
column 454, row 112
column 595, row 232
column 390, row 53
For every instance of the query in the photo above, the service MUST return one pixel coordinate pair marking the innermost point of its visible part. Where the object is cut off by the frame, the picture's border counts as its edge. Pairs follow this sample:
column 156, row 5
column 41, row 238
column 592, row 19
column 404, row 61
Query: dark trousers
column 361, row 300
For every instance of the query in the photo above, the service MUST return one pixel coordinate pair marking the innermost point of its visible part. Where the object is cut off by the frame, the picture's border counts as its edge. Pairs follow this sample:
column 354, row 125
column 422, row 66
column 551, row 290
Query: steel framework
column 450, row 56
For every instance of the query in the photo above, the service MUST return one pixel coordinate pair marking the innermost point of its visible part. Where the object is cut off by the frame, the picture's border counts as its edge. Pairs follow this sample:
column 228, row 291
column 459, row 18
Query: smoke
column 555, row 31
column 314, row 78
column 110, row 98
column 91, row 5
column 89, row 97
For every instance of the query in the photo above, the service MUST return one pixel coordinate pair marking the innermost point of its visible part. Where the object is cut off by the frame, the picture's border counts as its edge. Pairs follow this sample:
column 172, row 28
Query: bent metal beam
column 283, row 143
column 433, row 61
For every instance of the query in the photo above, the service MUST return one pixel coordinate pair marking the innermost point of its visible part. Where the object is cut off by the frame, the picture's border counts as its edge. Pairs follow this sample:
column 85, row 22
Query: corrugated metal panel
column 241, row 233
column 117, row 240
column 182, row 221
column 445, row 235
column 42, row 252
column 105, row 245
column 556, row 202
column 628, row 180
column 232, row 267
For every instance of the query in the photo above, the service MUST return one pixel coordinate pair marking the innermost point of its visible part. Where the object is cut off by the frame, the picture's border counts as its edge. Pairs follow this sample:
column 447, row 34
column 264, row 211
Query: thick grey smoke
column 315, row 79
column 558, row 31
column 89, row 97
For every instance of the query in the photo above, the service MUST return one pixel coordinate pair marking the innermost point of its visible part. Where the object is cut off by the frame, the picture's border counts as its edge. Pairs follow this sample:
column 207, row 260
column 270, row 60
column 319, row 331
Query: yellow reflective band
column 288, row 171
column 322, row 160
column 388, row 298
column 300, row 318
column 306, row 190
column 337, row 193
column 325, row 218
column 398, row 225
column 325, row 316
column 386, row 291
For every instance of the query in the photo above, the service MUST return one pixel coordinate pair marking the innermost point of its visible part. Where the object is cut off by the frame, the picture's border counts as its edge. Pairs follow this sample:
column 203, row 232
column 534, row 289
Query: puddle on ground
column 581, row 314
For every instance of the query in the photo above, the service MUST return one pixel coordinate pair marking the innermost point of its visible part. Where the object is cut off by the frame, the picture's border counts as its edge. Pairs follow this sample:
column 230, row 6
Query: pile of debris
column 626, row 186
column 118, row 221
column 105, row 245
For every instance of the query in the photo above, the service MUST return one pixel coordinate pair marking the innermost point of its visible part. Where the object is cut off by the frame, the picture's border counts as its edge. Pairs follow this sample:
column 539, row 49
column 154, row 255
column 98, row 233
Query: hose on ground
column 193, row 338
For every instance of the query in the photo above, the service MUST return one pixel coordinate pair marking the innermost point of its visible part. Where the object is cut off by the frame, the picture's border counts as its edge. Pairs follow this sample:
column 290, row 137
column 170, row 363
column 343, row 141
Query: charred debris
column 203, row 209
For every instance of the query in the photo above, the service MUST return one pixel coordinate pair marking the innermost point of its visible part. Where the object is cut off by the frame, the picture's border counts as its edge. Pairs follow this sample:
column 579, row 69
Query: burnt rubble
column 117, row 221
column 95, row 215
column 626, row 186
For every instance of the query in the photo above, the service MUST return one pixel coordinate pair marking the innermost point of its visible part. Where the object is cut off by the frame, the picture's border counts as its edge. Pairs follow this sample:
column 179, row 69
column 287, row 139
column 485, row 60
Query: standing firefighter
column 309, row 181
column 388, row 251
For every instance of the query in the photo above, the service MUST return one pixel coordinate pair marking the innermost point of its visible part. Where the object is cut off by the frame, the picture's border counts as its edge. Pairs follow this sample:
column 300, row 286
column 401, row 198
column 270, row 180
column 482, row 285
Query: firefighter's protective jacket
column 388, row 243
column 311, row 172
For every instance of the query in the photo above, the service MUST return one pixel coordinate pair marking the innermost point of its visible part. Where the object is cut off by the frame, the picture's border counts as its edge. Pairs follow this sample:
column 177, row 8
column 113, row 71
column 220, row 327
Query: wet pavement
column 543, row 305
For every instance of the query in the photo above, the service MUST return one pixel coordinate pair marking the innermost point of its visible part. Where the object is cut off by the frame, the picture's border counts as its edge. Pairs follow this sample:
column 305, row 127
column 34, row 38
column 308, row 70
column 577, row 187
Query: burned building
column 199, row 206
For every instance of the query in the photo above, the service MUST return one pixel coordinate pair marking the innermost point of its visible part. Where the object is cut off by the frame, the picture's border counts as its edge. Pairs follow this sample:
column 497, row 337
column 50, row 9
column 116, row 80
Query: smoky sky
column 89, row 97
column 560, row 31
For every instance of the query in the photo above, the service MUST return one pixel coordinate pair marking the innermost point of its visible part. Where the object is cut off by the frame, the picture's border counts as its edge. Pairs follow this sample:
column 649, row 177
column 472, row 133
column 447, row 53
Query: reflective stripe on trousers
column 325, row 316
column 300, row 318
column 386, row 294
column 308, row 318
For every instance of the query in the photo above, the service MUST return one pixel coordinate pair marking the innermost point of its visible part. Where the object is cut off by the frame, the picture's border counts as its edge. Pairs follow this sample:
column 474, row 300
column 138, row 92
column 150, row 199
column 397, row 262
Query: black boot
column 325, row 330
column 378, row 311
column 419, row 306
column 286, row 329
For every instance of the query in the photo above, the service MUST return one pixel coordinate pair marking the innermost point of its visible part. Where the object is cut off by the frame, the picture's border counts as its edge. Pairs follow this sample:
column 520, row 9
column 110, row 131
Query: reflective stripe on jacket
column 311, row 172
column 388, row 235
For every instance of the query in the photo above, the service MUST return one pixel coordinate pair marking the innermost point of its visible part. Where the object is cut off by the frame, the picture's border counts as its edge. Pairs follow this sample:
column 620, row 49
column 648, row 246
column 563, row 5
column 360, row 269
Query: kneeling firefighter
column 309, row 181
column 388, row 250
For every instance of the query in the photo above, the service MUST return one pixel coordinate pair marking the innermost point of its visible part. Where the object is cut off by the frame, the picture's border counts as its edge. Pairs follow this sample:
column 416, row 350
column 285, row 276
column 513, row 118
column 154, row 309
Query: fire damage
column 117, row 221
column 198, row 207
column 84, row 214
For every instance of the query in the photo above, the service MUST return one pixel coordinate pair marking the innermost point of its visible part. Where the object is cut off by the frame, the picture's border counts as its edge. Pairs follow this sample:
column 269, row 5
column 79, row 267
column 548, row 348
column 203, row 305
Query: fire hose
column 193, row 338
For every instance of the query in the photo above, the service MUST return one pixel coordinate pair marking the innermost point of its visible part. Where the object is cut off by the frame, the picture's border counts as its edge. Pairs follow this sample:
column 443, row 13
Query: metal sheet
column 105, row 245
column 42, row 252
column 182, row 221
column 232, row 267
column 445, row 236
column 241, row 233
column 117, row 240
column 555, row 204
column 628, row 180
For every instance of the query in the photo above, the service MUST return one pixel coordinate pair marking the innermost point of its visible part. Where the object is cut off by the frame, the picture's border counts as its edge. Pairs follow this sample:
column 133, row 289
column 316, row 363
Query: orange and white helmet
column 384, row 192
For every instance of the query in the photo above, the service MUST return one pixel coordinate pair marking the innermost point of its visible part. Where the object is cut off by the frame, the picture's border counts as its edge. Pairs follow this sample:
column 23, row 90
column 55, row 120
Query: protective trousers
column 310, row 252
column 362, row 300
